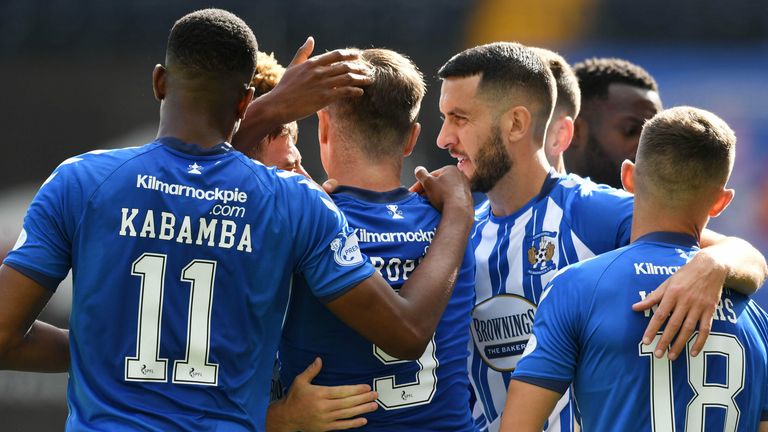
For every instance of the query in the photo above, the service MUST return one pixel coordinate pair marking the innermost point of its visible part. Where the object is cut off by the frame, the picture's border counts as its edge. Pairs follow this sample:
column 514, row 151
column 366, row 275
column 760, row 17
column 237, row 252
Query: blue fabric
column 569, row 220
column 586, row 332
column 395, row 229
column 211, row 237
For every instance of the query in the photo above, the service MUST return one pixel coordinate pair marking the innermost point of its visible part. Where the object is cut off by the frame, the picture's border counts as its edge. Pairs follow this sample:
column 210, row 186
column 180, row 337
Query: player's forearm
column 527, row 407
column 744, row 266
column 44, row 348
column 428, row 289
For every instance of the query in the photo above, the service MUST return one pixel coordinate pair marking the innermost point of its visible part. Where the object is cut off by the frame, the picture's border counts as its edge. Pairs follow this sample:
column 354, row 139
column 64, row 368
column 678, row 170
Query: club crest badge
column 541, row 252
column 393, row 211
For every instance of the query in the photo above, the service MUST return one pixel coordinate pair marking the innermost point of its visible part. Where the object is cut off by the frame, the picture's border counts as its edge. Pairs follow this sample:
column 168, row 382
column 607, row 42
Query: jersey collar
column 194, row 149
column 675, row 238
column 393, row 195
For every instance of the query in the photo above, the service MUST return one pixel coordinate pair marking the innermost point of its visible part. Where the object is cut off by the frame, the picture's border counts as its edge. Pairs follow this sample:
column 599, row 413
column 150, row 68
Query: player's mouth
column 463, row 161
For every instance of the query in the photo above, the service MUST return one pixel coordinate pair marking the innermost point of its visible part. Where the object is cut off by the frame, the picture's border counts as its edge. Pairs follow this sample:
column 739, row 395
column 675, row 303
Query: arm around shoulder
column 744, row 266
column 402, row 325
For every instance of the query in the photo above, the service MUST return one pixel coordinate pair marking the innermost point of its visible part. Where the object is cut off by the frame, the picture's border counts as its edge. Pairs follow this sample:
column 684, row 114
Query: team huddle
column 216, row 286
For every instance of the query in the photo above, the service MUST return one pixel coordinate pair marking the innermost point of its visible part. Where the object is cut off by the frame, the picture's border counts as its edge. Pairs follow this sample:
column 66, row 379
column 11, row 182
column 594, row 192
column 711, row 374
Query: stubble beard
column 491, row 163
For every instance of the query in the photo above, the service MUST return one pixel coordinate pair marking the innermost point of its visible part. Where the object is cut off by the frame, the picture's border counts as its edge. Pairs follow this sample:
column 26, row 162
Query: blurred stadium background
column 76, row 77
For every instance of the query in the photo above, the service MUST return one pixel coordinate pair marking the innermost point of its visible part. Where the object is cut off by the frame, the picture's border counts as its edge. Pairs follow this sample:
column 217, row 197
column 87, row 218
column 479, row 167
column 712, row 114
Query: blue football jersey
column 432, row 394
column 571, row 219
column 182, row 261
column 586, row 333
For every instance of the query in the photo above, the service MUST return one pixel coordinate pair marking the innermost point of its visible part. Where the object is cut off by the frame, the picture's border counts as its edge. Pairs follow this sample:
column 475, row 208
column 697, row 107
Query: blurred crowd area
column 76, row 77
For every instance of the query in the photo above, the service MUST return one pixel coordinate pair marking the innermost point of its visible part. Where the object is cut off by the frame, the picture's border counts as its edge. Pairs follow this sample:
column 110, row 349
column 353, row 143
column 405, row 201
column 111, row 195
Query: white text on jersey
column 202, row 231
column 144, row 181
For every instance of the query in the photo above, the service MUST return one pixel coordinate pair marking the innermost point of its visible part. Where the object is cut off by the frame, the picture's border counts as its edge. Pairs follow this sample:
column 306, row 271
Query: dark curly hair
column 596, row 74
column 212, row 42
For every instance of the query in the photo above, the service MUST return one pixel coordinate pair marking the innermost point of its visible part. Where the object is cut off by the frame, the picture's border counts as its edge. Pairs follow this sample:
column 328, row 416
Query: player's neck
column 559, row 166
column 648, row 218
column 520, row 185
column 360, row 173
column 192, row 126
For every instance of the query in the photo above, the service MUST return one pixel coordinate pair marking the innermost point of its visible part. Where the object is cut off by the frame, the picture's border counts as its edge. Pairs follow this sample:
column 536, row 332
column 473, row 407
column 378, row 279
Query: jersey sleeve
column 43, row 250
column 330, row 258
column 601, row 216
column 550, row 357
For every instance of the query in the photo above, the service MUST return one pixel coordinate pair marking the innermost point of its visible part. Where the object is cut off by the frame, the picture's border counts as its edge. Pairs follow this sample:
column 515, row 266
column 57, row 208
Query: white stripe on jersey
column 516, row 237
column 582, row 251
column 482, row 277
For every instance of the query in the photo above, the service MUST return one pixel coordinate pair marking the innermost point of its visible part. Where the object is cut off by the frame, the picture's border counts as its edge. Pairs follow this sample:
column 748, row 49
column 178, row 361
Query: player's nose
column 445, row 139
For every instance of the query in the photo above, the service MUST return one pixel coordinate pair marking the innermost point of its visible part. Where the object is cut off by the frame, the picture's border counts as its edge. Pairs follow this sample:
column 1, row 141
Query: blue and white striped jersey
column 587, row 334
column 571, row 219
column 182, row 260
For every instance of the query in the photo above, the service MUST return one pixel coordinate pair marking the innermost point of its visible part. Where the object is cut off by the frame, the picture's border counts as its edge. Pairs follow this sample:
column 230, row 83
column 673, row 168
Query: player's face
column 615, row 124
column 470, row 133
column 281, row 152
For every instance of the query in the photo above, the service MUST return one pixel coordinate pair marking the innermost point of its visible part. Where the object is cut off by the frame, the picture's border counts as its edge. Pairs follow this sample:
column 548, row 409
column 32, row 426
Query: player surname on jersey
column 221, row 233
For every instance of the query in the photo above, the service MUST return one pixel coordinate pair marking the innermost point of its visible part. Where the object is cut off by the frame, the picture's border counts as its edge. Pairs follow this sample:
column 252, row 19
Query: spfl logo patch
column 541, row 252
column 346, row 251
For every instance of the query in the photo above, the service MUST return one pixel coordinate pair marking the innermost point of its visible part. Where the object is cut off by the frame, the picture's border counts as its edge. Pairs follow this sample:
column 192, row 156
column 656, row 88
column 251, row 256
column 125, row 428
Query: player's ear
column 158, row 81
column 724, row 198
column 580, row 134
column 628, row 175
column 561, row 134
column 242, row 106
column 515, row 123
column 323, row 122
column 413, row 136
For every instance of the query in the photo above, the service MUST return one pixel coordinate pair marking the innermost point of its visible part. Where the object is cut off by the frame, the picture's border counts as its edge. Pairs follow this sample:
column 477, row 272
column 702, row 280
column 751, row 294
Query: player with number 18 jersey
column 201, row 245
column 394, row 229
column 586, row 333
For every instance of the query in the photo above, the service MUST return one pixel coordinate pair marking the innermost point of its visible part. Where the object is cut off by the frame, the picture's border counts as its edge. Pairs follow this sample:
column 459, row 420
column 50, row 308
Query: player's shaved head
column 211, row 47
column 568, row 99
column 685, row 153
column 379, row 121
column 510, row 74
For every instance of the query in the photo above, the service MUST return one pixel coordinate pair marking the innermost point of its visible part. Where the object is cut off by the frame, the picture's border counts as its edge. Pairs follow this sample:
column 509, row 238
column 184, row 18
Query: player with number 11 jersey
column 202, row 245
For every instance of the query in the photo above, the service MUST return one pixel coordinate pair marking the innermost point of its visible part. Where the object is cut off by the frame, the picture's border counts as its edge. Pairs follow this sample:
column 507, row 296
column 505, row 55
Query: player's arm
column 763, row 426
column 402, row 325
column 27, row 344
column 689, row 297
column 308, row 85
column 308, row 407
column 527, row 407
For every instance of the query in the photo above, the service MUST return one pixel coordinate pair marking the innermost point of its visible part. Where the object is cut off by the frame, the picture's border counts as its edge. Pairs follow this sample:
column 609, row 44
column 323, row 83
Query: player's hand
column 688, row 297
column 418, row 188
column 445, row 187
column 310, row 84
column 320, row 408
